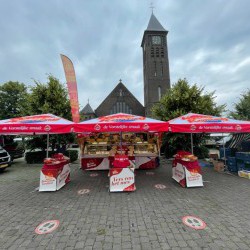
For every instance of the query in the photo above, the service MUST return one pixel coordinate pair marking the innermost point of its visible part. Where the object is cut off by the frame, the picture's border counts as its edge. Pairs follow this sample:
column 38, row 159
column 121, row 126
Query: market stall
column 199, row 123
column 55, row 172
column 134, row 137
column 120, row 133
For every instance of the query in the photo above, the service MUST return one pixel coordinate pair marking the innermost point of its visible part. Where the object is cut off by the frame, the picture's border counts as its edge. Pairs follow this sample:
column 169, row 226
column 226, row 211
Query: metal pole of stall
column 224, row 149
column 192, row 150
column 47, row 153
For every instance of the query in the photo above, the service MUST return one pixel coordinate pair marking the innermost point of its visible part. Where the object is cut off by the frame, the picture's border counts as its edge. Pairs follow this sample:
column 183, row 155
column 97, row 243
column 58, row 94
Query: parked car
column 14, row 147
column 5, row 159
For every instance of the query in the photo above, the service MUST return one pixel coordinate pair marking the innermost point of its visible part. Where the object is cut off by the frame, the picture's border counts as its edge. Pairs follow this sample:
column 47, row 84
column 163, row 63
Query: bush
column 35, row 157
column 38, row 156
column 72, row 154
column 201, row 152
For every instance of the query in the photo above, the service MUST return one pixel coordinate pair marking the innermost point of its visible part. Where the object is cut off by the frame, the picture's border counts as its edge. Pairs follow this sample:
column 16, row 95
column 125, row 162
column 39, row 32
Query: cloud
column 208, row 43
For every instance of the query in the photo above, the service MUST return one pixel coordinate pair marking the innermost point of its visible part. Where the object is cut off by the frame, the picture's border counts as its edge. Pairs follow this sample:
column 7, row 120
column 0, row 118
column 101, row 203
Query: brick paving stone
column 145, row 219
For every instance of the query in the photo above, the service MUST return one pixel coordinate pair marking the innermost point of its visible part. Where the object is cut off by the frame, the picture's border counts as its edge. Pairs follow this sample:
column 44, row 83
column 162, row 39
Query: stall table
column 187, row 173
column 54, row 175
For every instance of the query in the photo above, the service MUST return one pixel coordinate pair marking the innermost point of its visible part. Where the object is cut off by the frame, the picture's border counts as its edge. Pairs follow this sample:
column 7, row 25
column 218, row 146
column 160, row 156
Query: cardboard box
column 214, row 156
column 219, row 166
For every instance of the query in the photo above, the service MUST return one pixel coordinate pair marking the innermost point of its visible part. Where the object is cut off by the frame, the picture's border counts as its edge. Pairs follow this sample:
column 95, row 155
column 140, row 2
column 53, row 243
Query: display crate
column 227, row 152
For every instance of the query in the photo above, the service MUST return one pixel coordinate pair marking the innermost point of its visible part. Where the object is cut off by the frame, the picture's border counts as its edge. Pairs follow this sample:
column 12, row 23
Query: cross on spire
column 120, row 80
column 152, row 7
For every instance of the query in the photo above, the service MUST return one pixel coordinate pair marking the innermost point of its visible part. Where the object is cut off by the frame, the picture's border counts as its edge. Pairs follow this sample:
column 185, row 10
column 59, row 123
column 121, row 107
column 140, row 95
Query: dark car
column 5, row 159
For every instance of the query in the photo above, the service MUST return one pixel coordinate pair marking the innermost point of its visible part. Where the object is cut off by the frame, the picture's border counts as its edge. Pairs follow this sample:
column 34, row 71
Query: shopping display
column 186, row 170
column 99, row 149
column 55, row 173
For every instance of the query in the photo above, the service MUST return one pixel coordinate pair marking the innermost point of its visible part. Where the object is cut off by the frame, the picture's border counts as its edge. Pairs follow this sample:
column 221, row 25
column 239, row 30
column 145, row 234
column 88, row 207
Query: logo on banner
column 193, row 127
column 238, row 127
column 121, row 118
column 146, row 127
column 47, row 128
column 97, row 127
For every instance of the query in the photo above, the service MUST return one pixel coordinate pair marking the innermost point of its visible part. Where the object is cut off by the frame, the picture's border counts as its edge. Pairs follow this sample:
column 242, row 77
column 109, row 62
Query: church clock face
column 156, row 40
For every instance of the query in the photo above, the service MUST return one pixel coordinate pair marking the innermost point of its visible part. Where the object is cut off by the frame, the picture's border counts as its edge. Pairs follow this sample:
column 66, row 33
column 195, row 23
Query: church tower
column 155, row 63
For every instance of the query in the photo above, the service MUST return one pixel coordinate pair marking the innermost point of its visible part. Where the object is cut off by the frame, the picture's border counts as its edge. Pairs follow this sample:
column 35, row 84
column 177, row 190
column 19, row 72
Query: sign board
column 121, row 179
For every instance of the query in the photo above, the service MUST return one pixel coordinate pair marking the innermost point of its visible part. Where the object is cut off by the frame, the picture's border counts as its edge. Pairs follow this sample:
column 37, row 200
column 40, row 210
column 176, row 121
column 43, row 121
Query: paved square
column 148, row 218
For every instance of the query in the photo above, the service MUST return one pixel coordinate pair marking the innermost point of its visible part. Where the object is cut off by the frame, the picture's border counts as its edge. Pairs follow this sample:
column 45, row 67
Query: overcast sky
column 208, row 43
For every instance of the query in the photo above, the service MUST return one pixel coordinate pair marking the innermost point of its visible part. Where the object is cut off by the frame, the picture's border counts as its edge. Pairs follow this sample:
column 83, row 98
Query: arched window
column 120, row 107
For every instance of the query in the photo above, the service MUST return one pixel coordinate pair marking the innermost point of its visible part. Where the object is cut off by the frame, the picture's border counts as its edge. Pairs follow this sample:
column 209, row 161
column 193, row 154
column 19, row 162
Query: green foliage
column 180, row 100
column 242, row 108
column 51, row 97
column 35, row 157
column 13, row 100
column 72, row 154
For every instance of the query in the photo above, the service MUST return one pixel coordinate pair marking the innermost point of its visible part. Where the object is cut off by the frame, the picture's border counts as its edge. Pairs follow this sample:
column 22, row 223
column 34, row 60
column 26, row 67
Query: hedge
column 38, row 156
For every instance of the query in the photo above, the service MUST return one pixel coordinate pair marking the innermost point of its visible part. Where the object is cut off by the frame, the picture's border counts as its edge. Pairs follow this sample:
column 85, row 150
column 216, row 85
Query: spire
column 154, row 24
column 87, row 109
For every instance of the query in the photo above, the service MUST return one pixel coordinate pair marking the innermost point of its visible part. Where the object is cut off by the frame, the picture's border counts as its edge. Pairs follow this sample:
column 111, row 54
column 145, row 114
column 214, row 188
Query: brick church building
column 155, row 73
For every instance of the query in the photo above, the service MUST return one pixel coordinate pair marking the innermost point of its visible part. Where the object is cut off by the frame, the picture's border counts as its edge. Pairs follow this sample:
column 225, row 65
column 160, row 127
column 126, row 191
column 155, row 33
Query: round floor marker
column 47, row 227
column 160, row 186
column 83, row 191
column 150, row 173
column 194, row 222
column 93, row 175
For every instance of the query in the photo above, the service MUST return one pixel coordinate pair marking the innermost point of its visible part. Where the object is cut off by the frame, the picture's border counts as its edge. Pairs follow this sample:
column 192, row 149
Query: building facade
column 155, row 73
column 155, row 63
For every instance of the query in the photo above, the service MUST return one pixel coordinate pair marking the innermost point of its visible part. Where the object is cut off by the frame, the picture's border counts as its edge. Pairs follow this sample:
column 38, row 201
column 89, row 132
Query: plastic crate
column 227, row 152
column 240, row 165
column 231, row 160
column 232, row 167
column 239, row 156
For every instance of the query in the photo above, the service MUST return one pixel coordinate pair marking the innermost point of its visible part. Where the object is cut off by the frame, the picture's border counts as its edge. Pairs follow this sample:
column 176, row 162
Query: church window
column 120, row 107
column 159, row 92
column 155, row 69
column 157, row 52
column 120, row 92
column 162, row 52
column 152, row 52
column 161, row 68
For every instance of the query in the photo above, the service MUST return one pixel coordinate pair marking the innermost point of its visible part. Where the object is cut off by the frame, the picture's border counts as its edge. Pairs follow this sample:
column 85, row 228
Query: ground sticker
column 47, row 227
column 83, row 191
column 194, row 222
column 160, row 186
column 93, row 175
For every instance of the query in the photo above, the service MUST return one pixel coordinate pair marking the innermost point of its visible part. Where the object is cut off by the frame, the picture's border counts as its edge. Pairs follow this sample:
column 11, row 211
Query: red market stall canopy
column 121, row 122
column 36, row 124
column 198, row 123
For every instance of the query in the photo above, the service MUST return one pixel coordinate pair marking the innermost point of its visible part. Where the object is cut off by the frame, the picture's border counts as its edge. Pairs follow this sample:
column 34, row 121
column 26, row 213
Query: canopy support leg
column 47, row 153
column 192, row 146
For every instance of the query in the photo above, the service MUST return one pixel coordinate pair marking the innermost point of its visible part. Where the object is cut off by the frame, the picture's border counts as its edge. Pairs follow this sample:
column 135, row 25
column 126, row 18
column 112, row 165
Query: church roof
column 154, row 24
column 87, row 110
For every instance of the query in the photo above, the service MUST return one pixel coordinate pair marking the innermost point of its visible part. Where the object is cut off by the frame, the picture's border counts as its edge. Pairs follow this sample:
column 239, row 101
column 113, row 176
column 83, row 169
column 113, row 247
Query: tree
column 51, row 97
column 242, row 108
column 13, row 100
column 180, row 100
